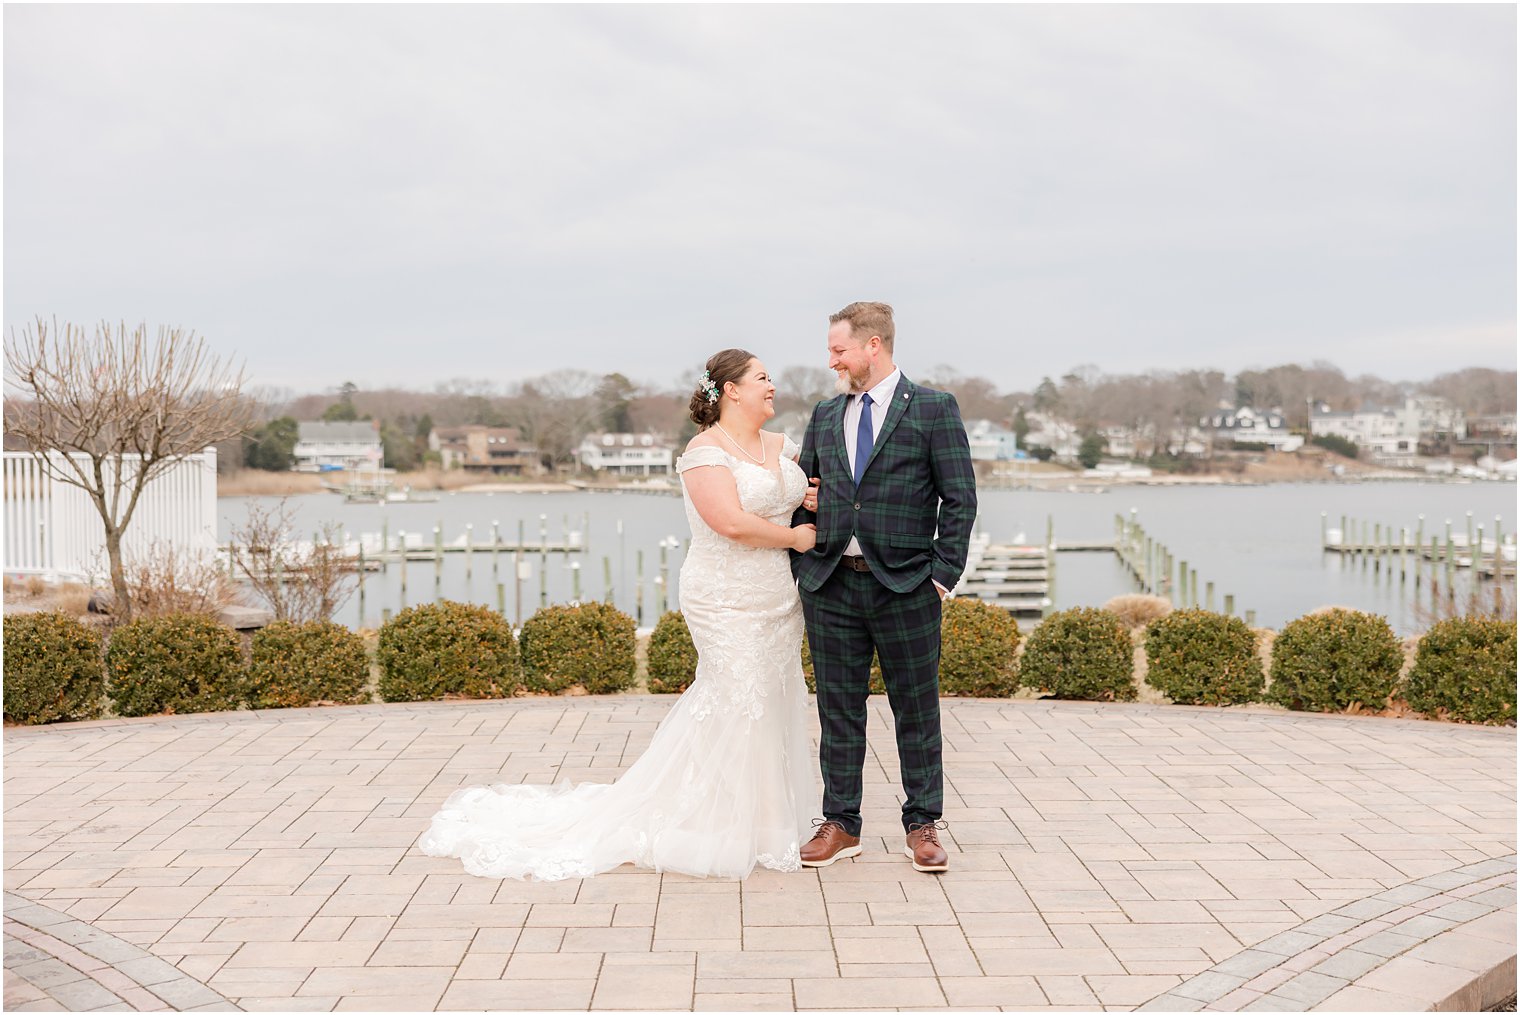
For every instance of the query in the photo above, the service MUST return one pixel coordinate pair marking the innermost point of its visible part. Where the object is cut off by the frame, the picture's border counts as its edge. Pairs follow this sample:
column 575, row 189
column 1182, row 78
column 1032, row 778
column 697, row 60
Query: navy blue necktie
column 865, row 437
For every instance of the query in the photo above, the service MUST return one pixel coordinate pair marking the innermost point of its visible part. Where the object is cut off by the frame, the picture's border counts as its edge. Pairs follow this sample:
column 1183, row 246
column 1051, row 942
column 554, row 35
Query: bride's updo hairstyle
column 722, row 367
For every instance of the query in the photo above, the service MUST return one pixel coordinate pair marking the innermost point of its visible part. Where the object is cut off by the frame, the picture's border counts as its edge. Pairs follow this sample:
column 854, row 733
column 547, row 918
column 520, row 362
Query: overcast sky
column 403, row 195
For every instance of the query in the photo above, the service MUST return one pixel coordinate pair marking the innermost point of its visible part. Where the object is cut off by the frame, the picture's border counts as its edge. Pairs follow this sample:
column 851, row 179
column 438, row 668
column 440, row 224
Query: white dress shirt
column 881, row 401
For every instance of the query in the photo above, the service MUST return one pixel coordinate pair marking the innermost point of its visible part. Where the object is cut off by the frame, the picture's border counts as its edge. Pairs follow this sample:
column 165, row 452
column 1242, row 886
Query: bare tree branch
column 112, row 411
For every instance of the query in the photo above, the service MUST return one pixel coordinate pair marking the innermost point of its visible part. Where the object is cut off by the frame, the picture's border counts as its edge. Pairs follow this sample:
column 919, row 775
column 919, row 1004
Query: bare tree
column 555, row 411
column 299, row 584
column 110, row 412
column 1078, row 395
column 660, row 412
column 1479, row 390
column 802, row 387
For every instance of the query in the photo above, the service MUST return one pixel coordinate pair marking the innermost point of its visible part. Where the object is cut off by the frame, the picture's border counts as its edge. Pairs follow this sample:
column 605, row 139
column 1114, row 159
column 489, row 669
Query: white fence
column 53, row 529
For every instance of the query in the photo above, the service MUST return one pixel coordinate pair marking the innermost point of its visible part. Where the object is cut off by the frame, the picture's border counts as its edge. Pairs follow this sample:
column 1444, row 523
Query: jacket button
column 857, row 506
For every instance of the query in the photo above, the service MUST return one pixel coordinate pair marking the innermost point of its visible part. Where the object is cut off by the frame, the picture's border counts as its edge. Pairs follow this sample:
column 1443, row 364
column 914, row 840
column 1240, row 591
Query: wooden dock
column 1017, row 578
column 1491, row 557
column 432, row 551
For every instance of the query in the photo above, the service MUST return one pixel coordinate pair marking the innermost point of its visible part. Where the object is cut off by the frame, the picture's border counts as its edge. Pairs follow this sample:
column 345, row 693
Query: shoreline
column 255, row 483
column 247, row 483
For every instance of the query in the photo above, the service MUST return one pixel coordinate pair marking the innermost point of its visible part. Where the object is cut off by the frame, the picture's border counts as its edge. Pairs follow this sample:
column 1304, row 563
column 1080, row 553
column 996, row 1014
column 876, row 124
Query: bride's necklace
column 763, row 453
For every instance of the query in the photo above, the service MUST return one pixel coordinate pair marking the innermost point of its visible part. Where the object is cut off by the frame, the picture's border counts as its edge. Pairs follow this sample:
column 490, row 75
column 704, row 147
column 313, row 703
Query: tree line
column 554, row 411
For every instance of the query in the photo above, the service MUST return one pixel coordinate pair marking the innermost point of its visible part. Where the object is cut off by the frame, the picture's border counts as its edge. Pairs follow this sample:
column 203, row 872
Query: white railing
column 53, row 529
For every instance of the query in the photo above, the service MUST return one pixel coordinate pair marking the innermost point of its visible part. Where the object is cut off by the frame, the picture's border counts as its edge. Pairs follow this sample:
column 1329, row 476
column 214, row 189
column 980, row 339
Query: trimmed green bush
column 301, row 664
column 672, row 656
column 428, row 651
column 1081, row 653
column 978, row 642
column 1465, row 667
column 53, row 669
column 1326, row 662
column 591, row 645
column 876, row 686
column 177, row 663
column 1196, row 657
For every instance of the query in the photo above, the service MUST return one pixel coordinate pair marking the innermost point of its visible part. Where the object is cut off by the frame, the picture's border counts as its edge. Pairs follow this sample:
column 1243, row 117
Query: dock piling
column 401, row 539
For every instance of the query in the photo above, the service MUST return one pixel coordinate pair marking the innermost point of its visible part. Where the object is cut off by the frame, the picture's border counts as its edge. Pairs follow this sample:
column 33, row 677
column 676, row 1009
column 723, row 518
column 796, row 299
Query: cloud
column 401, row 194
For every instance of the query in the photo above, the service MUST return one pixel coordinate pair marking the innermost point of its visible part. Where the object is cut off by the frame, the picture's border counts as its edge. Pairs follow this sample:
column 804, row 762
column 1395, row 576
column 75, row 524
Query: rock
column 245, row 618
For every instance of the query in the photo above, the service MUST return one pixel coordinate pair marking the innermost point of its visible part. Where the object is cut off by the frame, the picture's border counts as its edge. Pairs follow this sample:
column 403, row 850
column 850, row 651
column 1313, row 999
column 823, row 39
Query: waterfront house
column 1498, row 428
column 338, row 445
column 1390, row 435
column 1437, row 418
column 626, row 454
column 1061, row 437
column 990, row 442
column 1245, row 425
column 1189, row 442
column 498, row 450
column 1126, row 441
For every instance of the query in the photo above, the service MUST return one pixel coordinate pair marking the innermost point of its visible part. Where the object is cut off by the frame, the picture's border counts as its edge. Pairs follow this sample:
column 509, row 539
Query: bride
column 727, row 781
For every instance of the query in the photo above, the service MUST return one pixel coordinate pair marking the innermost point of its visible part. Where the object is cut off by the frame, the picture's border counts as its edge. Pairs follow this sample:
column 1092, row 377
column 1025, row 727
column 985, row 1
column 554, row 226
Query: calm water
column 1259, row 543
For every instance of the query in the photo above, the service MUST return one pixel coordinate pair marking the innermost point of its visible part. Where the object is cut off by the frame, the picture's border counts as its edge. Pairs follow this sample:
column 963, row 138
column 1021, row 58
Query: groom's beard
column 849, row 383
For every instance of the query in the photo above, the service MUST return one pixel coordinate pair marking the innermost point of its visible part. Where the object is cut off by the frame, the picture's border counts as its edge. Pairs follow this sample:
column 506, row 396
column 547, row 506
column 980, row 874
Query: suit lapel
column 836, row 425
column 901, row 399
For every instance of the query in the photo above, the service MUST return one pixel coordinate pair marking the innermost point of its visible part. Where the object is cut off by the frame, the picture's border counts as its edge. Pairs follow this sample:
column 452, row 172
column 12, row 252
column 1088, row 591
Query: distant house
column 626, row 454
column 1123, row 441
column 338, row 445
column 1245, row 425
column 499, row 450
column 1437, row 417
column 1060, row 437
column 1388, row 433
column 1189, row 442
column 1499, row 429
column 1495, row 434
column 990, row 442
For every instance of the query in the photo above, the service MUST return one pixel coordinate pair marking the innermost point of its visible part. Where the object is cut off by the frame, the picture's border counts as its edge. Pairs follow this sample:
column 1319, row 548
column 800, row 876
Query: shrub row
column 1330, row 661
column 179, row 663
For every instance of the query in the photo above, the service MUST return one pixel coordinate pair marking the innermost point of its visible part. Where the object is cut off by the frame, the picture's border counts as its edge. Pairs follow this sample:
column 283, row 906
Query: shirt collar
column 884, row 390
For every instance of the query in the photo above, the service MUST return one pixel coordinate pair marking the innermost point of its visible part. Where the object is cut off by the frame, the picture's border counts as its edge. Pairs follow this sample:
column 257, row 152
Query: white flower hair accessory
column 705, row 382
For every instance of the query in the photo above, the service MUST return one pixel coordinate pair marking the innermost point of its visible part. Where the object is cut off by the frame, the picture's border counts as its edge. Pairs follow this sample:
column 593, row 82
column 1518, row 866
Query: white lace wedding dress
column 727, row 782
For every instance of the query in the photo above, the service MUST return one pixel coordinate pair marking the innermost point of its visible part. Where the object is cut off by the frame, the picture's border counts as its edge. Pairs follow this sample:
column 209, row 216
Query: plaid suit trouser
column 848, row 617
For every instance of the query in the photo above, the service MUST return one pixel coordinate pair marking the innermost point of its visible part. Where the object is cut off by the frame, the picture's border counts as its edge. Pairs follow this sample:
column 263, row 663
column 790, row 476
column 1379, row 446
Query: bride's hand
column 804, row 537
column 810, row 499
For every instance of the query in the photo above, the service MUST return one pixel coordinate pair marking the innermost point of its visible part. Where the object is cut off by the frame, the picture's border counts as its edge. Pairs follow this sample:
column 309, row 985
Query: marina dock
column 1021, row 577
column 1017, row 578
column 1490, row 556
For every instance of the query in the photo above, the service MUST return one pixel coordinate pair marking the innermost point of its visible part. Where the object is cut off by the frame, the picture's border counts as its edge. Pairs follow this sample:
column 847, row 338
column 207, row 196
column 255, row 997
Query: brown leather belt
column 855, row 563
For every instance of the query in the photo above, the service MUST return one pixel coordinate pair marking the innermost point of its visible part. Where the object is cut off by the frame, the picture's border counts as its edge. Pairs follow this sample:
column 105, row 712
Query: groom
column 896, row 500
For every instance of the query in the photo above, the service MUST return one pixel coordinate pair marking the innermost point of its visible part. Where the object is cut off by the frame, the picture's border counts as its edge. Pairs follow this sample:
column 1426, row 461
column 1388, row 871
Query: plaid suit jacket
column 915, row 504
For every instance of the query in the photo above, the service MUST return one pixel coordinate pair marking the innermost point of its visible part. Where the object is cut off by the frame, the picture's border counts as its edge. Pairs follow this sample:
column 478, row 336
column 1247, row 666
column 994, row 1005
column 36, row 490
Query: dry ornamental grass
column 1137, row 610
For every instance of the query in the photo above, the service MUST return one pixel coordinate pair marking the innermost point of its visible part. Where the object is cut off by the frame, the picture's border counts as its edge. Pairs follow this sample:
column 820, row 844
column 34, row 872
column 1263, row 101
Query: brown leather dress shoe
column 924, row 850
column 831, row 842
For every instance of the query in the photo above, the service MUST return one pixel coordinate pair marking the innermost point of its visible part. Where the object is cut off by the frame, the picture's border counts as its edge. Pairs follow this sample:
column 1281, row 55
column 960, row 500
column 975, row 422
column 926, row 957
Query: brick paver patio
column 1104, row 856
